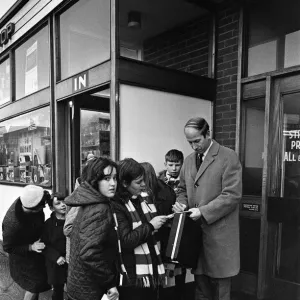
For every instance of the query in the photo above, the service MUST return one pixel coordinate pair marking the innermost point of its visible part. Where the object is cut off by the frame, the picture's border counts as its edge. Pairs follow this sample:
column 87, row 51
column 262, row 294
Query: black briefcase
column 185, row 241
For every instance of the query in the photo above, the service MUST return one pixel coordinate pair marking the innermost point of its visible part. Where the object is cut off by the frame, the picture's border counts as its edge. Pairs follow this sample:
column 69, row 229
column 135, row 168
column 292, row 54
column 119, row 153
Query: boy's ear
column 124, row 184
column 51, row 208
column 165, row 163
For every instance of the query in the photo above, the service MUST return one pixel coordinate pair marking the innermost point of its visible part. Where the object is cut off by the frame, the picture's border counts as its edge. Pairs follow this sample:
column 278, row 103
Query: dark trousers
column 208, row 288
column 134, row 293
column 58, row 292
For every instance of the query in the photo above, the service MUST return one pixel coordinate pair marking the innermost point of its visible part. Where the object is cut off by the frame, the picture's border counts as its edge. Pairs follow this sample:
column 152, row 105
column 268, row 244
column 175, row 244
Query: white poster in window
column 31, row 71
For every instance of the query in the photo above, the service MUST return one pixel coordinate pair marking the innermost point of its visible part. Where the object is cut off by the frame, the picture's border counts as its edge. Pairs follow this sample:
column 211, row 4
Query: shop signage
column 80, row 82
column 6, row 34
column 292, row 145
column 251, row 207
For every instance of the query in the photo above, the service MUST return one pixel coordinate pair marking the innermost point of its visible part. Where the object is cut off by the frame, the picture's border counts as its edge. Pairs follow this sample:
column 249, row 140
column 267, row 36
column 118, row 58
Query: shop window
column 84, row 36
column 32, row 64
column 274, row 36
column 25, row 149
column 254, row 146
column 5, row 81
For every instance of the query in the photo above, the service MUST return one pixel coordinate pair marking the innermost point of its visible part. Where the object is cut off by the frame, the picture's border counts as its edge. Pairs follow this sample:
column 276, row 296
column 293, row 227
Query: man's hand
column 37, row 246
column 178, row 207
column 196, row 214
column 61, row 260
column 113, row 294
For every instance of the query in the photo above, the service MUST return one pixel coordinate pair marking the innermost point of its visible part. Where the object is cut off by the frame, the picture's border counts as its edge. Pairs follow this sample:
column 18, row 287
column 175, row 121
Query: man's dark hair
column 129, row 169
column 50, row 200
column 174, row 155
column 199, row 124
column 95, row 170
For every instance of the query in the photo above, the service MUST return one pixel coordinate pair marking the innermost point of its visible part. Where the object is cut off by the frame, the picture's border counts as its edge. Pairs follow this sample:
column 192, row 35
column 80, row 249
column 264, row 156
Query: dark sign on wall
column 251, row 207
column 6, row 34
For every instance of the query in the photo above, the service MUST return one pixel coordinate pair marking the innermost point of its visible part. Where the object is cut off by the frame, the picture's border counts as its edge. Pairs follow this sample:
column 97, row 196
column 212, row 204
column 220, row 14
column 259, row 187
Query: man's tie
column 199, row 158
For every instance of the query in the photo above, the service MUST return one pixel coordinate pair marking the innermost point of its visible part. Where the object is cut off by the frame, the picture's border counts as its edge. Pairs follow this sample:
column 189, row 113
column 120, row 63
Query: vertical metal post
column 114, row 82
column 53, row 108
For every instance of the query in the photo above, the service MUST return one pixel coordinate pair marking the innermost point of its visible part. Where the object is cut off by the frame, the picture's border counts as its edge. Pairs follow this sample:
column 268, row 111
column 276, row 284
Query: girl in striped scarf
column 141, row 267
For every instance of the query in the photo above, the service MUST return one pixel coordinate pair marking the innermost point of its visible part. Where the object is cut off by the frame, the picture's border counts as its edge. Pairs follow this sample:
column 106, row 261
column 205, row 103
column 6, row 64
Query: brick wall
column 183, row 48
column 186, row 48
column 226, row 75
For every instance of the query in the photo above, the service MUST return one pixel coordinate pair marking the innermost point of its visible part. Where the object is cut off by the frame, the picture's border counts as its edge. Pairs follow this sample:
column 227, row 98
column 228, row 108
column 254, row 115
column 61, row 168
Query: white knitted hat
column 31, row 196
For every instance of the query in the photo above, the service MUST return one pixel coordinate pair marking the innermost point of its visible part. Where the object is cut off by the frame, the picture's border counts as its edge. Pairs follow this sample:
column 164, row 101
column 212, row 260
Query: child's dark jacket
column 55, row 242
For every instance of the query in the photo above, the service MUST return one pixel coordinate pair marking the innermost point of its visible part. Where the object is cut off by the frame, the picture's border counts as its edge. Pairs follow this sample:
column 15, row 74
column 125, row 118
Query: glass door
column 90, row 130
column 287, row 265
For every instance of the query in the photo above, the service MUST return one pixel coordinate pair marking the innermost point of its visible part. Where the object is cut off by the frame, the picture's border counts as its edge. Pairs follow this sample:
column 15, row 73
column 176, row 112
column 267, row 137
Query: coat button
column 196, row 185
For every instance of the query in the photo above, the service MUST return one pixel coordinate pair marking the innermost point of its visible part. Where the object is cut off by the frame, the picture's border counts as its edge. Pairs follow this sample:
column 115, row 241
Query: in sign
column 80, row 82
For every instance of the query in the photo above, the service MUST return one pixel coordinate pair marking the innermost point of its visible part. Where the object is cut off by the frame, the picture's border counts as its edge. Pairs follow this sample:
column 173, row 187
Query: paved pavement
column 9, row 290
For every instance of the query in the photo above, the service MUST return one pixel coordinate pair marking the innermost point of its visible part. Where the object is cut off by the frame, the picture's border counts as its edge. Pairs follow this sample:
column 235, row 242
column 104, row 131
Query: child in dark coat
column 55, row 251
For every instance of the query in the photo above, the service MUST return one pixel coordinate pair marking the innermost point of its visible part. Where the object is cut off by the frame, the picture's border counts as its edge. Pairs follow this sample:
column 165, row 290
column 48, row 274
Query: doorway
column 89, row 120
column 283, row 190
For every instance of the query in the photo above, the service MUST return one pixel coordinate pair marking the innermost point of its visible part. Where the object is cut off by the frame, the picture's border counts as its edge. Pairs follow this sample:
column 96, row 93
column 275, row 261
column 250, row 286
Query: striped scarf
column 144, row 267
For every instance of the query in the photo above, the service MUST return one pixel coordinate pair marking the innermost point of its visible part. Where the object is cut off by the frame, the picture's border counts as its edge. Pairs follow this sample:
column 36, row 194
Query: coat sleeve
column 182, row 193
column 131, row 238
column 165, row 199
column 49, row 252
column 11, row 231
column 70, row 217
column 93, row 236
column 231, row 193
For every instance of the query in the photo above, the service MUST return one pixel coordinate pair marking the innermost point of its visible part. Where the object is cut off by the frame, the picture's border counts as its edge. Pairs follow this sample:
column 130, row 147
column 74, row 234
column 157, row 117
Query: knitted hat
column 31, row 196
column 90, row 156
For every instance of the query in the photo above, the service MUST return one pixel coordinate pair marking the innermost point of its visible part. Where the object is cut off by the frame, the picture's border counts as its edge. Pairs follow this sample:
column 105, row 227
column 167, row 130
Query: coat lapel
column 209, row 158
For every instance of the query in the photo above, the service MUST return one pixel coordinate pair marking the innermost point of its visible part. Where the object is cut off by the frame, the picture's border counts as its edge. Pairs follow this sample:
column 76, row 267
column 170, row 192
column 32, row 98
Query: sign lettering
column 6, row 34
column 80, row 82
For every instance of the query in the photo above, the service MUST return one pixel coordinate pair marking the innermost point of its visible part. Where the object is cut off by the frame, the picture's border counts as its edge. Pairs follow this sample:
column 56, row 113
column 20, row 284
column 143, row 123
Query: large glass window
column 274, row 36
column 84, row 36
column 254, row 146
column 4, row 81
column 32, row 64
column 25, row 148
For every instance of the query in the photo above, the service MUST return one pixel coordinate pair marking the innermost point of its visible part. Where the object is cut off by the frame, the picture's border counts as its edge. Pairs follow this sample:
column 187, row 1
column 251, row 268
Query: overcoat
column 216, row 189
column 27, row 268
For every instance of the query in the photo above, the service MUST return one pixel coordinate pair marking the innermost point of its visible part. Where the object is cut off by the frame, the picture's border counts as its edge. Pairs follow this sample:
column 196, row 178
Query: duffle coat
column 20, row 229
column 216, row 189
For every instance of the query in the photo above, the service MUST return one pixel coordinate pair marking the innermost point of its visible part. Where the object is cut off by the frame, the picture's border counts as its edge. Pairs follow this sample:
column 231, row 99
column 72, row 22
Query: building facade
column 120, row 78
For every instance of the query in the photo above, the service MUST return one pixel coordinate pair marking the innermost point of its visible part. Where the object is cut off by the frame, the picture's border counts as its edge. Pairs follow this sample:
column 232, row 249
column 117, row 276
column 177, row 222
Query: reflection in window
column 94, row 134
column 4, row 81
column 32, row 64
column 86, row 43
column 289, row 246
column 254, row 146
column 25, row 148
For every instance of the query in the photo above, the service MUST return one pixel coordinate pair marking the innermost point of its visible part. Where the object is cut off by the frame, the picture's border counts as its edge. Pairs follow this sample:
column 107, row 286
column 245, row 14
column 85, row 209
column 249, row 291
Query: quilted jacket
column 93, row 253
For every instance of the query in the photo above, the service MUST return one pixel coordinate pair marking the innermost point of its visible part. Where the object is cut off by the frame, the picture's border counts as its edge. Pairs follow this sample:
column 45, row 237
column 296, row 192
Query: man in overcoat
column 211, row 188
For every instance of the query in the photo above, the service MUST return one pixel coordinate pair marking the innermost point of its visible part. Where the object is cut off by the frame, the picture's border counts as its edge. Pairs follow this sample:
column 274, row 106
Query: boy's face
column 59, row 206
column 173, row 168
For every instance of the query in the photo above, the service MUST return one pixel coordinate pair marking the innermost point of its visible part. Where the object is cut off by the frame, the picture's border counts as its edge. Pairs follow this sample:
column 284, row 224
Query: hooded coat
column 93, row 253
column 20, row 229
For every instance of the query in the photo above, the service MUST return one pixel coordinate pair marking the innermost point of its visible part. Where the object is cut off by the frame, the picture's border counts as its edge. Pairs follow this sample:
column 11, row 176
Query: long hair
column 95, row 170
column 129, row 169
column 150, row 179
